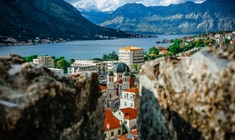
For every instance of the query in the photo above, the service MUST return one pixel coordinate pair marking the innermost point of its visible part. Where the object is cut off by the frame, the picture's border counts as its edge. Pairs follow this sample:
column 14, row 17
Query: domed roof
column 125, row 73
column 120, row 68
column 110, row 73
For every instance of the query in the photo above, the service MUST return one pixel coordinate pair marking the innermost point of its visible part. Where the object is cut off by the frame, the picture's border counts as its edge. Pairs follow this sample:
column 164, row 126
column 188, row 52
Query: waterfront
column 86, row 49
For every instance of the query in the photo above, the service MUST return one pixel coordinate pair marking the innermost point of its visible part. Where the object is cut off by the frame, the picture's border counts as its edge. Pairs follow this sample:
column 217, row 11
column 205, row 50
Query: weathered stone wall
column 37, row 104
column 192, row 98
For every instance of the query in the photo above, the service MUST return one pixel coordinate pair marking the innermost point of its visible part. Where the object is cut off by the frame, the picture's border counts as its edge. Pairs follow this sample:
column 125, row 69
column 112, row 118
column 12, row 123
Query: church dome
column 110, row 73
column 125, row 73
column 120, row 68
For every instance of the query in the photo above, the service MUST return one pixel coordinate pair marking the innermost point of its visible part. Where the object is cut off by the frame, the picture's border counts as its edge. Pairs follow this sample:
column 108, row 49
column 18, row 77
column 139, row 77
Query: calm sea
column 86, row 49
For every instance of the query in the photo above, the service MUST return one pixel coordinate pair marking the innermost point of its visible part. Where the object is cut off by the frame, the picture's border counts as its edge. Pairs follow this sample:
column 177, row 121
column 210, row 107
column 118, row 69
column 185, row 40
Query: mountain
column 94, row 16
column 25, row 19
column 189, row 17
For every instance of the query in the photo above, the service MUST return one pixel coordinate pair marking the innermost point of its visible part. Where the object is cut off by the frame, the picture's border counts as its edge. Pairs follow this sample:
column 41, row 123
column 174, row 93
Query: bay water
column 86, row 49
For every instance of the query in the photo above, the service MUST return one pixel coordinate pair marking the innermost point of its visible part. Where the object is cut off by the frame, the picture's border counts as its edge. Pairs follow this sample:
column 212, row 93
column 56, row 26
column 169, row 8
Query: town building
column 133, row 135
column 111, row 64
column 128, row 116
column 88, row 65
column 47, row 61
column 112, row 126
column 57, row 71
column 117, row 80
column 131, row 55
column 130, row 98
column 71, row 70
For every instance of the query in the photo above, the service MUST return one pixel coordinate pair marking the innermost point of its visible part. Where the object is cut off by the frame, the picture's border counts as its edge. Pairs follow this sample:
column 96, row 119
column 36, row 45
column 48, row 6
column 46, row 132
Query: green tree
column 133, row 67
column 175, row 48
column 199, row 43
column 61, row 63
column 71, row 61
column 104, row 57
column 152, row 53
column 30, row 58
column 138, row 67
column 112, row 56
column 226, row 41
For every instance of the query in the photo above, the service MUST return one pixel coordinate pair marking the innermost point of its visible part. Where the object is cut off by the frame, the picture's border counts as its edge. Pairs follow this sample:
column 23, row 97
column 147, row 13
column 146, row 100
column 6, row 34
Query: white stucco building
column 128, row 116
column 131, row 55
column 88, row 65
column 130, row 98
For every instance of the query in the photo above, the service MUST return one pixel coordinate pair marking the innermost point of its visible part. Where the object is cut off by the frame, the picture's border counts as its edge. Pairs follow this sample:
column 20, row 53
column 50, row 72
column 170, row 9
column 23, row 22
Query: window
column 125, row 104
column 112, row 133
column 105, row 135
column 110, row 95
column 119, row 132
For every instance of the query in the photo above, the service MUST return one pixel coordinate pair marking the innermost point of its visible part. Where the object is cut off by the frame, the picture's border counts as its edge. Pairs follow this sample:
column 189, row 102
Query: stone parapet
column 192, row 98
column 36, row 103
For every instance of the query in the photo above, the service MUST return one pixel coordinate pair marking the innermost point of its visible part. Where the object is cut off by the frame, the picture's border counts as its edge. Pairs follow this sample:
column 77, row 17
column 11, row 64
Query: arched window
column 110, row 95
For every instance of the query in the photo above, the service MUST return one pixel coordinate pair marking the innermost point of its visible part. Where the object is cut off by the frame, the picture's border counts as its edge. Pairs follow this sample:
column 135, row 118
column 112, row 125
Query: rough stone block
column 35, row 103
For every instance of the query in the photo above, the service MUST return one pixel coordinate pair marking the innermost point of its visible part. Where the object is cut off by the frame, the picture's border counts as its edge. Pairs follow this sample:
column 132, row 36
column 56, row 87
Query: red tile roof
column 129, row 136
column 129, row 113
column 135, row 90
column 102, row 87
column 110, row 120
column 119, row 81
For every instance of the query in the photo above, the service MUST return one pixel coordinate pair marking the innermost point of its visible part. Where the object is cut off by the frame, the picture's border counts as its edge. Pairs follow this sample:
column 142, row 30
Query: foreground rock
column 189, row 99
column 37, row 104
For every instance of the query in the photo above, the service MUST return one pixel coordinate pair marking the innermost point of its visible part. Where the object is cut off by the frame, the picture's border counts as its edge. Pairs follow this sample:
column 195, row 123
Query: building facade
column 130, row 98
column 57, row 71
column 47, row 61
column 112, row 126
column 88, row 65
column 131, row 55
column 128, row 116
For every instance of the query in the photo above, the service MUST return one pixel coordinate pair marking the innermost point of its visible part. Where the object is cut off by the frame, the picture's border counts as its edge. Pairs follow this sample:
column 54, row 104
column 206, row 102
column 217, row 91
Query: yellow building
column 131, row 55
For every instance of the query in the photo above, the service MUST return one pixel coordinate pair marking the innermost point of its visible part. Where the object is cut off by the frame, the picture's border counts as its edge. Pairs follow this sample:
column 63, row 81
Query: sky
column 111, row 5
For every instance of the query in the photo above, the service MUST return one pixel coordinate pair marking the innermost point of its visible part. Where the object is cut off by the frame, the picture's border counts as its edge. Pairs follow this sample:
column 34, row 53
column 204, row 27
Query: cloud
column 110, row 5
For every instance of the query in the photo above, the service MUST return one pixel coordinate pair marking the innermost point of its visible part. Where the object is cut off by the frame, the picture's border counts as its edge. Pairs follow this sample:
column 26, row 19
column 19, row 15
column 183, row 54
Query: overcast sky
column 109, row 5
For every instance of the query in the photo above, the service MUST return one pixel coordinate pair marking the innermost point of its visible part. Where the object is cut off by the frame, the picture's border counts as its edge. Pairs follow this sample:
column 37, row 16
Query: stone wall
column 35, row 103
column 192, row 98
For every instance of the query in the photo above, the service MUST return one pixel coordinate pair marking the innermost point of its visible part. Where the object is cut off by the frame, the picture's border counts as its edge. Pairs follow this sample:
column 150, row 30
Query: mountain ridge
column 186, row 17
column 25, row 19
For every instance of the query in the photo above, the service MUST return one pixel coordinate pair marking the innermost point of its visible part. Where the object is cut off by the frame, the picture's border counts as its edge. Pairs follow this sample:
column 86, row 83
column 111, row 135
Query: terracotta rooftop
column 119, row 81
column 129, row 136
column 129, row 113
column 102, row 87
column 135, row 90
column 131, row 48
column 110, row 120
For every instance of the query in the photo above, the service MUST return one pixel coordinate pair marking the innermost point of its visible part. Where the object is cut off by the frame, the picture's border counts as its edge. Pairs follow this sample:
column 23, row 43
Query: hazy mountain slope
column 94, row 16
column 189, row 17
column 25, row 19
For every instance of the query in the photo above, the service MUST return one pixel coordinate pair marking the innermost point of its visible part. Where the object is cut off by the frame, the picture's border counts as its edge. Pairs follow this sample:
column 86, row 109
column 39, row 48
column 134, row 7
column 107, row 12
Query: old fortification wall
column 37, row 104
column 192, row 98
